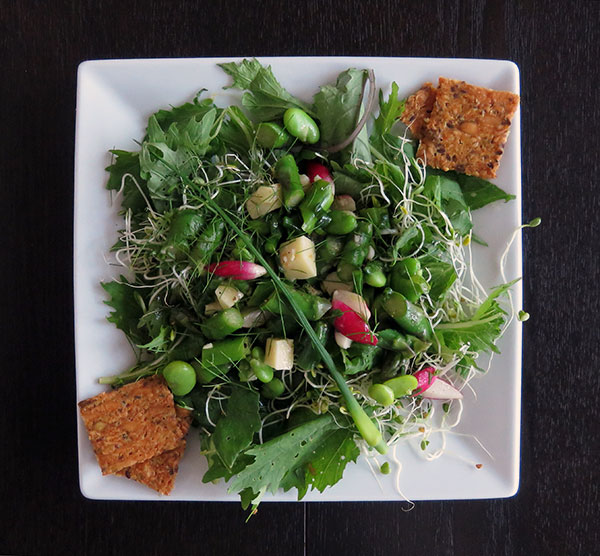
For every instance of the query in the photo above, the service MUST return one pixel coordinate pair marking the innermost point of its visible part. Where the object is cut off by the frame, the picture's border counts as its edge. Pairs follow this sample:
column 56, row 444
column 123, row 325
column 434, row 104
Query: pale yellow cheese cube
column 265, row 199
column 279, row 354
column 298, row 259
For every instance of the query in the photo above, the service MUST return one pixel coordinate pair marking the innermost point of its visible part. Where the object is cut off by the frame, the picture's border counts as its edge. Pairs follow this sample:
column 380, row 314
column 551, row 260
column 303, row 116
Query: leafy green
column 447, row 196
column 479, row 192
column 481, row 330
column 125, row 300
column 306, row 455
column 125, row 172
column 243, row 72
column 237, row 131
column 359, row 358
column 181, row 115
column 266, row 99
column 327, row 464
column 389, row 113
column 235, row 430
column 160, row 342
column 338, row 108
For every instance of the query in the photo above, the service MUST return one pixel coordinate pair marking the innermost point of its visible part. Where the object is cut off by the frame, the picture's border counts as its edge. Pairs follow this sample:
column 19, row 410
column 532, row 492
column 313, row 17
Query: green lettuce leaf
column 125, row 172
column 285, row 460
column 265, row 98
column 125, row 300
column 235, row 430
column 339, row 108
column 479, row 192
column 327, row 464
column 480, row 331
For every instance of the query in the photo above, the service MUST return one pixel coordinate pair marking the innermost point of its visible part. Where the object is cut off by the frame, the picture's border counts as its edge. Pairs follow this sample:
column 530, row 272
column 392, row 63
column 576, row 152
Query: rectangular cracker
column 467, row 128
column 159, row 472
column 418, row 108
column 131, row 424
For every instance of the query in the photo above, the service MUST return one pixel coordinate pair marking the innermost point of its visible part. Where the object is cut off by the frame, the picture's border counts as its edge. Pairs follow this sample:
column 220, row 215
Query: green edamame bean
column 300, row 125
column 385, row 468
column 263, row 372
column 258, row 353
column 180, row 377
column 342, row 222
column 273, row 389
column 402, row 385
column 382, row 394
column 271, row 135
column 374, row 275
column 411, row 266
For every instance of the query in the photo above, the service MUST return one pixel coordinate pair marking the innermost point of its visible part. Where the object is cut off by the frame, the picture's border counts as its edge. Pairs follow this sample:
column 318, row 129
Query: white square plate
column 114, row 100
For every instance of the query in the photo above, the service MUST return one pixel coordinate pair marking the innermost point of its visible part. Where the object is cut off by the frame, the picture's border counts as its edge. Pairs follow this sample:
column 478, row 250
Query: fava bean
column 300, row 125
column 342, row 222
column 271, row 135
column 402, row 385
column 382, row 394
column 273, row 389
column 263, row 372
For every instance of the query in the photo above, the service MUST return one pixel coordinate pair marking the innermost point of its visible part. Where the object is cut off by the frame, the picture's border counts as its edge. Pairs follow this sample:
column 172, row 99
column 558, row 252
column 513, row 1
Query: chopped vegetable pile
column 300, row 279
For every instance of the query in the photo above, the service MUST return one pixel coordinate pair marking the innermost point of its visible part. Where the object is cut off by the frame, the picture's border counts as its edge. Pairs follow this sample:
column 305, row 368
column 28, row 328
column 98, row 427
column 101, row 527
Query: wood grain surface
column 556, row 45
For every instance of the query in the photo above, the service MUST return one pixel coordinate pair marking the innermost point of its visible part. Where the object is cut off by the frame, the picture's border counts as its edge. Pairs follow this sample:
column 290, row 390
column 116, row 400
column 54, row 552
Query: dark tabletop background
column 555, row 44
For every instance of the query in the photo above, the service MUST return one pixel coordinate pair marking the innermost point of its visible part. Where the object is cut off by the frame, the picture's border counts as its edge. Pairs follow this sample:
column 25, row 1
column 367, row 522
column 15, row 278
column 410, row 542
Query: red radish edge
column 316, row 170
column 351, row 325
column 425, row 378
column 237, row 270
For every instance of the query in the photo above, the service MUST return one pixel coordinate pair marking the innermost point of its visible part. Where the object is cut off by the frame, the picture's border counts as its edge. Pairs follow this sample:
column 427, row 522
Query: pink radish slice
column 442, row 390
column 237, row 270
column 425, row 378
column 316, row 170
column 351, row 325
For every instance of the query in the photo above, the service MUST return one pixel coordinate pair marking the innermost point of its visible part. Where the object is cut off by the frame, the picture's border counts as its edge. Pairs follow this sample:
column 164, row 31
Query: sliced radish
column 237, row 270
column 316, row 170
column 354, row 301
column 442, row 390
column 425, row 378
column 434, row 388
column 352, row 325
column 342, row 340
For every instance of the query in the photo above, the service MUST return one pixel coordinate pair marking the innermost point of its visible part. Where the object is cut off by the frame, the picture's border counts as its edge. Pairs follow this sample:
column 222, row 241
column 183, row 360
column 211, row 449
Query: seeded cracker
column 418, row 107
column 467, row 129
column 131, row 424
column 160, row 471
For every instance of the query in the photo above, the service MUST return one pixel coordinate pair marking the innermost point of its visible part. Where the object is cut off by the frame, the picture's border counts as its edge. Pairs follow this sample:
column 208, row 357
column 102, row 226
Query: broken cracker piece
column 131, row 424
column 468, row 128
column 159, row 472
column 418, row 109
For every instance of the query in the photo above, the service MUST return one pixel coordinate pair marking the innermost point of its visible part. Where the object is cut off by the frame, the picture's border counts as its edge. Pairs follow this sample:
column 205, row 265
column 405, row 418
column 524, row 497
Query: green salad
column 299, row 277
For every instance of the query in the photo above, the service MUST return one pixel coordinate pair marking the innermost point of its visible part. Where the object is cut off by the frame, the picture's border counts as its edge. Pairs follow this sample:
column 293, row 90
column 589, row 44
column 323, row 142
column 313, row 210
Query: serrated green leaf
column 127, row 309
column 125, row 172
column 235, row 430
column 266, row 99
column 282, row 455
column 328, row 462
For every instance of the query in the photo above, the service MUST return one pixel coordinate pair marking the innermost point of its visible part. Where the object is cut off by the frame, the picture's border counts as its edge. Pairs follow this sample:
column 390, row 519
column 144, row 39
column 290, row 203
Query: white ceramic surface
column 114, row 100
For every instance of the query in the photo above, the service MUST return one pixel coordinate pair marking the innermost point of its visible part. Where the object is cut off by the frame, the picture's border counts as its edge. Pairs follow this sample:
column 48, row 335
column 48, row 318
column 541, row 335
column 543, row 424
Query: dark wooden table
column 556, row 45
